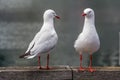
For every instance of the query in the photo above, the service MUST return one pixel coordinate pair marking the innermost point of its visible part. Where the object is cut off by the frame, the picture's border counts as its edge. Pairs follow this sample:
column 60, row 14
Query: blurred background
column 20, row 20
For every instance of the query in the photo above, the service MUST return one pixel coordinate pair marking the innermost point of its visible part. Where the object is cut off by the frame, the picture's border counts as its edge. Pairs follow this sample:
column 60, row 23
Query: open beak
column 83, row 14
column 57, row 17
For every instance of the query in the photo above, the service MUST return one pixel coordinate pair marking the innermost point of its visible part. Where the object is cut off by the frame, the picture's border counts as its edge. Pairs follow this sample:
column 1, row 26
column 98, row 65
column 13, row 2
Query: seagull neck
column 89, row 24
column 48, row 21
column 89, row 20
column 48, row 24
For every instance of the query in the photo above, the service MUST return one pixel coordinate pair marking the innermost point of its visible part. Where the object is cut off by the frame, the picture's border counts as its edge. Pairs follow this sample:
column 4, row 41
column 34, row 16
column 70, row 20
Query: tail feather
column 26, row 54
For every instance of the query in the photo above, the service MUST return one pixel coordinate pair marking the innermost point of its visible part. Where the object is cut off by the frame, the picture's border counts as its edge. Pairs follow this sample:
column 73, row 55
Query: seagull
column 45, row 40
column 88, row 40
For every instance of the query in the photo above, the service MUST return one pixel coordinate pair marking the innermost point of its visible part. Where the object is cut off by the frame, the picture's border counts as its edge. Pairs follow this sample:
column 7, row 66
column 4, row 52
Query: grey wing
column 44, row 44
column 32, row 43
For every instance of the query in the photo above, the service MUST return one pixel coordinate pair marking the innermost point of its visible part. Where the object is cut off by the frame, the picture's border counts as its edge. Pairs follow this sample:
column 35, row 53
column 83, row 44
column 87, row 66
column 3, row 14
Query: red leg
column 39, row 63
column 90, row 66
column 47, row 66
column 81, row 68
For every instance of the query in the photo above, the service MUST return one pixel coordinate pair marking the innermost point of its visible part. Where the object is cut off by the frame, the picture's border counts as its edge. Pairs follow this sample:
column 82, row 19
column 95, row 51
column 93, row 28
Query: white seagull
column 88, row 40
column 44, row 40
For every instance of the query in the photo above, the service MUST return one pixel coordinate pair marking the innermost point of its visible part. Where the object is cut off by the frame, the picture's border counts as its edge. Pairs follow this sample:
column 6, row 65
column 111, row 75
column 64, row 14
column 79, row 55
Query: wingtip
column 23, row 56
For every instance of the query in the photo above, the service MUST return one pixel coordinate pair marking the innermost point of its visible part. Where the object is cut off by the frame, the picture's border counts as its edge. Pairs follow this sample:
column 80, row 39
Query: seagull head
column 88, row 12
column 50, row 14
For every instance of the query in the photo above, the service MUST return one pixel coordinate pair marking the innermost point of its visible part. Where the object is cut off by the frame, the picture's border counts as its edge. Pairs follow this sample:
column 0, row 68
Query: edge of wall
column 58, row 73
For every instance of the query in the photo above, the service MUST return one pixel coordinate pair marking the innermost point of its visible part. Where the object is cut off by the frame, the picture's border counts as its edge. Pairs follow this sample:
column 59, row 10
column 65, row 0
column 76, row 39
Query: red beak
column 57, row 17
column 83, row 14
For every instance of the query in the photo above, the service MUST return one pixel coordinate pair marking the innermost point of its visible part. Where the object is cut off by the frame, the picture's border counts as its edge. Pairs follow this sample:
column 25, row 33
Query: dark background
column 20, row 20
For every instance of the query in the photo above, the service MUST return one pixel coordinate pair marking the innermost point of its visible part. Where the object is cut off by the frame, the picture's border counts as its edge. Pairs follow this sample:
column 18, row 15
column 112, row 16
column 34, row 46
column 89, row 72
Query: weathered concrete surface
column 58, row 73
column 101, row 73
column 33, row 73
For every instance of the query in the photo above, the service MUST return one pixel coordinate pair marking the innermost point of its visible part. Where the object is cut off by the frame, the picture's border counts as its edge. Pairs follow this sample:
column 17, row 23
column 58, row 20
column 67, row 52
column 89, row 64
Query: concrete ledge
column 33, row 73
column 102, row 73
column 58, row 73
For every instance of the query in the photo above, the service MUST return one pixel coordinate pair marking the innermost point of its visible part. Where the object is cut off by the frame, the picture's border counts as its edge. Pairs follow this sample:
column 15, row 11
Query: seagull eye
column 54, row 14
column 89, row 12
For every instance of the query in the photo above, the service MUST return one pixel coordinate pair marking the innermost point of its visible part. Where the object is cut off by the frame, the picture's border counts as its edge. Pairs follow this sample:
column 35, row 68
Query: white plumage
column 88, row 40
column 45, row 39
